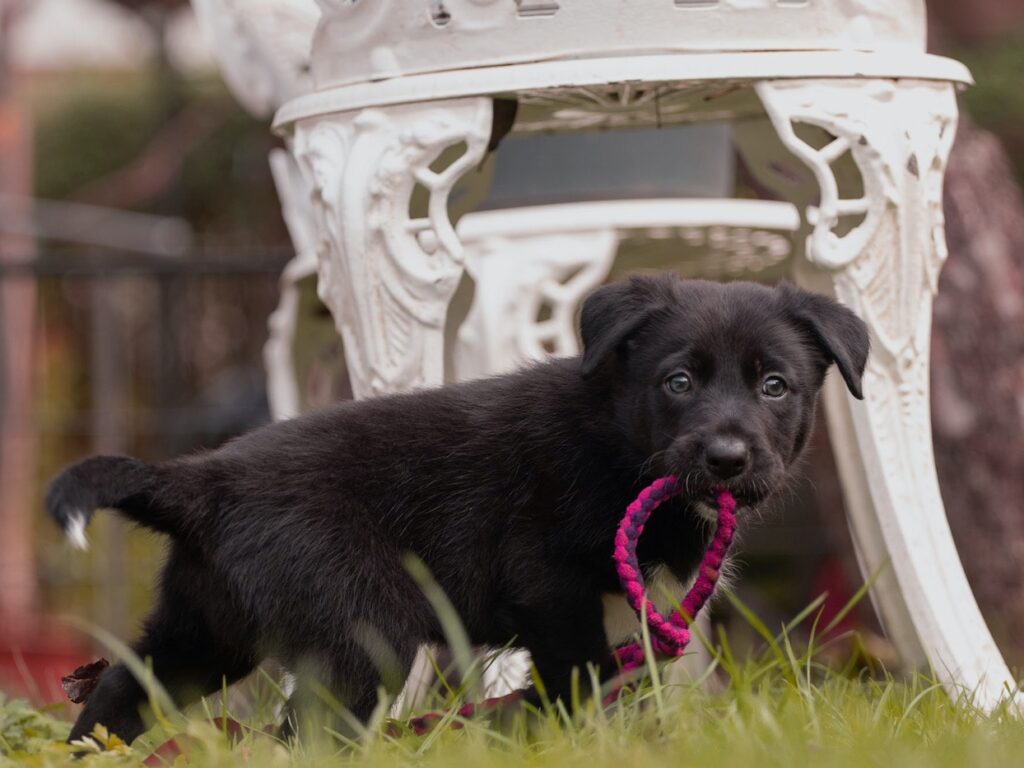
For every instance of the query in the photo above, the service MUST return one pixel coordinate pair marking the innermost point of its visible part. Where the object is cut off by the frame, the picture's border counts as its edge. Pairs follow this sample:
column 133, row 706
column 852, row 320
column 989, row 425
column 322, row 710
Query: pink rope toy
column 669, row 637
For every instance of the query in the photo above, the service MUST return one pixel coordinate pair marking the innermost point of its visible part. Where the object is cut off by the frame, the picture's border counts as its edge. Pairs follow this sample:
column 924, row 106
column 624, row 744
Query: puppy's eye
column 678, row 383
column 774, row 386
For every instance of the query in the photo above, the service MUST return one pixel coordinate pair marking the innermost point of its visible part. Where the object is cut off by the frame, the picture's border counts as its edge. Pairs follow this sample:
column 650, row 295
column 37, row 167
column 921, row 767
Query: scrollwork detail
column 387, row 276
column 528, row 291
column 902, row 170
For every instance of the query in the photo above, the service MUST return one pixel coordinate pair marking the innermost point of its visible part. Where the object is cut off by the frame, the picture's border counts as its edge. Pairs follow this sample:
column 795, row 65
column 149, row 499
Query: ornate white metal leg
column 386, row 276
column 528, row 290
column 294, row 192
column 886, row 269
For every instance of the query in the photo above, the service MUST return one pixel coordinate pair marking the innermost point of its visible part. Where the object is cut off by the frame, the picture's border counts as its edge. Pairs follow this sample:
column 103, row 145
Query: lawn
column 779, row 706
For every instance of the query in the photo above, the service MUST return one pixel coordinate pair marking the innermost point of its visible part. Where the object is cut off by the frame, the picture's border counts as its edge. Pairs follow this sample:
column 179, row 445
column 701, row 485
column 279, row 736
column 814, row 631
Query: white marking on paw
column 76, row 531
column 287, row 683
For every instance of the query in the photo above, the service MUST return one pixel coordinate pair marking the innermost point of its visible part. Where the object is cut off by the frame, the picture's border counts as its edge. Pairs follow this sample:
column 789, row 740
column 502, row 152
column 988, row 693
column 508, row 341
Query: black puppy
column 289, row 541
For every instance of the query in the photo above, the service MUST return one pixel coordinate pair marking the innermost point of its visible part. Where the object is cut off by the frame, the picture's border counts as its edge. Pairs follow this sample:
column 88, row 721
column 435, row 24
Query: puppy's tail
column 116, row 482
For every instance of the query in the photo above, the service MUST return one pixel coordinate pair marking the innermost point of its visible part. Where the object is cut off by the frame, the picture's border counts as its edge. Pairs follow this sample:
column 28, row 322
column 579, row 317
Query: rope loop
column 669, row 636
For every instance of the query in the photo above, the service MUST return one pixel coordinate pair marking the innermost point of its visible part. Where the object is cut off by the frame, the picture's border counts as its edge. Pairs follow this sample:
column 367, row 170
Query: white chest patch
column 621, row 624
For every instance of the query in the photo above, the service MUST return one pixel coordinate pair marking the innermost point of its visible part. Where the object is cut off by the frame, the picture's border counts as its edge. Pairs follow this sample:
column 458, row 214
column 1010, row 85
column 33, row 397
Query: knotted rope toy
column 669, row 637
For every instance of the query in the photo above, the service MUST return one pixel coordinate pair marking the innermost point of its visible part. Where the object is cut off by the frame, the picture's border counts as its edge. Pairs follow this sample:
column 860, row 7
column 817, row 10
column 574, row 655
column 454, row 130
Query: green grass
column 779, row 706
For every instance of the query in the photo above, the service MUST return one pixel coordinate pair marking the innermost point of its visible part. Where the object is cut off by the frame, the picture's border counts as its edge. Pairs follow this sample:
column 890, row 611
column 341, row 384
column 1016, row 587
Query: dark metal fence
column 112, row 352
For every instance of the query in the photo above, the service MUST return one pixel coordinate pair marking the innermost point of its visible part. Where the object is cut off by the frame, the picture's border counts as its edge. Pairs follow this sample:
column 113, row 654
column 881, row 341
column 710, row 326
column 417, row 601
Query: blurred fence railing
column 115, row 352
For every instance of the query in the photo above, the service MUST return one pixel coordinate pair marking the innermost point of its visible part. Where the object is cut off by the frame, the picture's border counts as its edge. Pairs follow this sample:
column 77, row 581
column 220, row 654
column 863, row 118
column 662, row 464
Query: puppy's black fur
column 289, row 541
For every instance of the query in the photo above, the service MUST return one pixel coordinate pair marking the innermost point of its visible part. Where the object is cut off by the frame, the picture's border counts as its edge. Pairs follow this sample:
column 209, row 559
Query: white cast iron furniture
column 398, row 82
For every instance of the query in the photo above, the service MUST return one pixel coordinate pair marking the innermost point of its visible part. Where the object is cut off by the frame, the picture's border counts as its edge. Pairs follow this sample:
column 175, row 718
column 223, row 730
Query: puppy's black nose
column 726, row 456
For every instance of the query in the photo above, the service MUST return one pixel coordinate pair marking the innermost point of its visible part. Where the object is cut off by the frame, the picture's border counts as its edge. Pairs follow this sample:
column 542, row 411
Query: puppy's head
column 717, row 383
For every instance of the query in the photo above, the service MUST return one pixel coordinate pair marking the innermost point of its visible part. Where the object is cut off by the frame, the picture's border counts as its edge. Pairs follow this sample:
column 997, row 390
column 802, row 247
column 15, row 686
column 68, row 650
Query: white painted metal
column 886, row 269
column 628, row 215
column 517, row 279
column 392, row 39
column 283, row 386
column 388, row 277
column 681, row 72
column 293, row 191
column 533, row 266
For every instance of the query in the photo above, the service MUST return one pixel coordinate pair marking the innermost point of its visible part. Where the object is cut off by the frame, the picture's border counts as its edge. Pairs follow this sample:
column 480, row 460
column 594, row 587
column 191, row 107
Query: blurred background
column 141, row 243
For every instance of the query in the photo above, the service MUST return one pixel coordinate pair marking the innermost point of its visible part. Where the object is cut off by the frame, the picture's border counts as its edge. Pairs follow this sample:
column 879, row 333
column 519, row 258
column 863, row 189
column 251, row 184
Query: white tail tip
column 76, row 532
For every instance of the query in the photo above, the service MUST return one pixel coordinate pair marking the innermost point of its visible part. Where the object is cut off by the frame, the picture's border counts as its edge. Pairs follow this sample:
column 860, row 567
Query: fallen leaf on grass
column 81, row 683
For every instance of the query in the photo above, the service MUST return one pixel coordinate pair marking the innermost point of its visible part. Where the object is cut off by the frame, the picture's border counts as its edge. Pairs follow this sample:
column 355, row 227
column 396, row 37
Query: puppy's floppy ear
column 840, row 334
column 614, row 313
